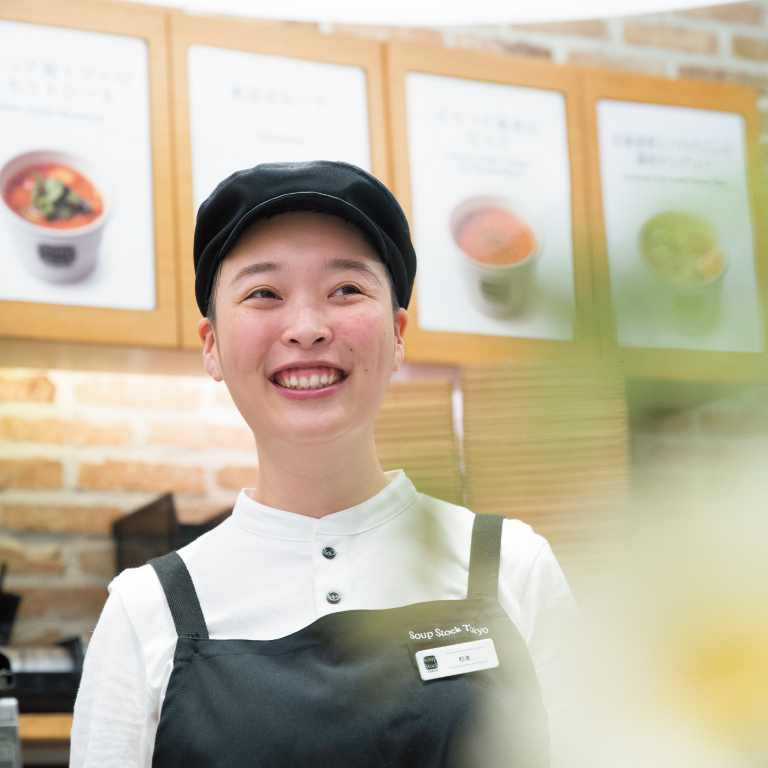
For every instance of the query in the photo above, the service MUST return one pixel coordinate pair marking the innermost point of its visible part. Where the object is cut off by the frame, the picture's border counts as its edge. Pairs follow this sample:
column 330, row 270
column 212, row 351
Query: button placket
column 331, row 573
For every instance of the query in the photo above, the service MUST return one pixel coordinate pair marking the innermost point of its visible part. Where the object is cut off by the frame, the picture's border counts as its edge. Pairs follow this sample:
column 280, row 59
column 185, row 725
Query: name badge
column 457, row 659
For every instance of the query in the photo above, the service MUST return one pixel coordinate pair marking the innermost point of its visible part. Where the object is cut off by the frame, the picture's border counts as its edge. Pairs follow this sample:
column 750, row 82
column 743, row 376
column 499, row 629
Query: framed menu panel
column 86, row 249
column 679, row 225
column 248, row 94
column 487, row 164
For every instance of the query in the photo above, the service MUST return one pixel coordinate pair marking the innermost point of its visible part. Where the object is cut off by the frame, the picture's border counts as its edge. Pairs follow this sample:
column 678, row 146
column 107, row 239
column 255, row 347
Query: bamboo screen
column 414, row 432
column 548, row 443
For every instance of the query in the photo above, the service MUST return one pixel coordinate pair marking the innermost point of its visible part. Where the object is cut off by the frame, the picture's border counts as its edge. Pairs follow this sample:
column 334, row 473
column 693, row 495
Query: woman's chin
column 314, row 428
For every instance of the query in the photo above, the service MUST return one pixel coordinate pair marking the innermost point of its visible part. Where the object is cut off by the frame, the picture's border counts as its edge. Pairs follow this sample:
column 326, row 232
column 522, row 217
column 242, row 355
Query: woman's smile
column 309, row 383
column 315, row 377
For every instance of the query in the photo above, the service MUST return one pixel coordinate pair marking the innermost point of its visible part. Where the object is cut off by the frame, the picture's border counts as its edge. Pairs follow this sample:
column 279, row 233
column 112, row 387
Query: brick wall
column 77, row 450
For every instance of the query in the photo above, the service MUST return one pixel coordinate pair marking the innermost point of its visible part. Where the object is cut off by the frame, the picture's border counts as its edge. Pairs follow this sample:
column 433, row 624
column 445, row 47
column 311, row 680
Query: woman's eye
column 346, row 290
column 263, row 293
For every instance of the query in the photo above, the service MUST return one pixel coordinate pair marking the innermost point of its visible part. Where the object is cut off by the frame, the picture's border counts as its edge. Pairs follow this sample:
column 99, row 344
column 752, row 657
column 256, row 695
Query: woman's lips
column 308, row 379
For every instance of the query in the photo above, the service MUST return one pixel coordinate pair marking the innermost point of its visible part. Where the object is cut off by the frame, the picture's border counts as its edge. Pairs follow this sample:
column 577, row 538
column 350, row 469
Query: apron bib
column 348, row 690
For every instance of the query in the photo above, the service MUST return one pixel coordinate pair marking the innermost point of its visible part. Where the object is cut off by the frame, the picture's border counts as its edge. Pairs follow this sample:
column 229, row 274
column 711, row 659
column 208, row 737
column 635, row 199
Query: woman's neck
column 318, row 482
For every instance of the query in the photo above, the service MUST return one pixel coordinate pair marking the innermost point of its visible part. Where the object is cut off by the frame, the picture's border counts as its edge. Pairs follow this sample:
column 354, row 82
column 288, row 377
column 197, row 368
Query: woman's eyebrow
column 255, row 269
column 359, row 266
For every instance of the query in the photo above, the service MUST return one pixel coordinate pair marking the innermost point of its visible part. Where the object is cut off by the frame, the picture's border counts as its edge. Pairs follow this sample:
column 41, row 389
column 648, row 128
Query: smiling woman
column 290, row 311
column 338, row 616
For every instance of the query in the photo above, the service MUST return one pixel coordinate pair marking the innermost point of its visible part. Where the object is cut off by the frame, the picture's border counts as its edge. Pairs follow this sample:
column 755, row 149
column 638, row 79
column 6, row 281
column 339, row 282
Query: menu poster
column 678, row 227
column 76, row 207
column 491, row 195
column 251, row 108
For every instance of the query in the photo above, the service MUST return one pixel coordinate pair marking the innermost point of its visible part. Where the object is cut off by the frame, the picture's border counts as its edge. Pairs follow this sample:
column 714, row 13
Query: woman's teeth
column 313, row 381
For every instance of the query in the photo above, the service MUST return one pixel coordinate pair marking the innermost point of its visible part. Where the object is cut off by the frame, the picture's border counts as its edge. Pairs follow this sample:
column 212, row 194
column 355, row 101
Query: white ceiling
column 433, row 13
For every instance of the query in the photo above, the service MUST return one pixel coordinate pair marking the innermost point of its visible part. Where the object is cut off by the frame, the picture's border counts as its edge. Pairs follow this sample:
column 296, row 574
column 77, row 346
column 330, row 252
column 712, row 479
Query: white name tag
column 457, row 659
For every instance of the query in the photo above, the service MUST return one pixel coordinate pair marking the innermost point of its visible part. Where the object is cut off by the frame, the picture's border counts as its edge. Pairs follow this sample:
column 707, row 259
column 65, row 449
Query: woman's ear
column 401, row 323
column 211, row 361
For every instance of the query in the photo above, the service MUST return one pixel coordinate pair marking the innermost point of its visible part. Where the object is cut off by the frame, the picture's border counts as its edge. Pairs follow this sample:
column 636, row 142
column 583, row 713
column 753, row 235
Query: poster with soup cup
column 248, row 108
column 76, row 203
column 491, row 194
column 678, row 228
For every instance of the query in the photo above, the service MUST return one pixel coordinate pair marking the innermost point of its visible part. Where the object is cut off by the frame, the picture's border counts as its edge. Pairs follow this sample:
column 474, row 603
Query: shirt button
column 333, row 597
column 329, row 553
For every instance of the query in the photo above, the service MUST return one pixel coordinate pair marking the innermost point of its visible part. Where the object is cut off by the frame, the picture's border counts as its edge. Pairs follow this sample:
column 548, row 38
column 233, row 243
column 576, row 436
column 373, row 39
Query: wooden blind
column 414, row 432
column 547, row 443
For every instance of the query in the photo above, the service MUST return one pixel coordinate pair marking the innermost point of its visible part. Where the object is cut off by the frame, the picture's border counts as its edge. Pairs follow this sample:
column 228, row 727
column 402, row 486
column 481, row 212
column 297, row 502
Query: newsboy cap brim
column 326, row 186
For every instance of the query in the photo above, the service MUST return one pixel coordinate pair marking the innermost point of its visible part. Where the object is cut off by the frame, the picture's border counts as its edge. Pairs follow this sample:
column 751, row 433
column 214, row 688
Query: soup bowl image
column 498, row 246
column 56, row 207
column 688, row 266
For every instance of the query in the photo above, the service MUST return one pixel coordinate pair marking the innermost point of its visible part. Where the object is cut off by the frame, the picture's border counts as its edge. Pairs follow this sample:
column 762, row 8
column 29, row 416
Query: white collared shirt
column 261, row 575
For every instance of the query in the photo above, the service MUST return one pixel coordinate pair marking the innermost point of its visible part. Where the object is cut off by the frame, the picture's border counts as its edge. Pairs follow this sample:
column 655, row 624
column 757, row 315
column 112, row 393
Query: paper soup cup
column 56, row 255
column 689, row 307
column 500, row 289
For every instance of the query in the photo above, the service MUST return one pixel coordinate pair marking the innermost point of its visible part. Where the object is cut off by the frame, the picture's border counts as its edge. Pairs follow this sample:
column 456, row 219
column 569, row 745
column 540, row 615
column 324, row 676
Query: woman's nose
column 307, row 329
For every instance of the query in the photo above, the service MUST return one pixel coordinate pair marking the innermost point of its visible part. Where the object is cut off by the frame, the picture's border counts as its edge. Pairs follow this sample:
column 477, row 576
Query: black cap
column 321, row 185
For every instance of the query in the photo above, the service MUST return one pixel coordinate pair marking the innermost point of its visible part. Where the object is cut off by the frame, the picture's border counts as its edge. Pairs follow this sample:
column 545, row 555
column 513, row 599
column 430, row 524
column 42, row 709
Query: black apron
column 346, row 691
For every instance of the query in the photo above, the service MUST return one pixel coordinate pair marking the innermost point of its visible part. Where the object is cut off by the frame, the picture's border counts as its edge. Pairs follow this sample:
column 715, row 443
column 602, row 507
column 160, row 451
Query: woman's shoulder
column 516, row 534
column 139, row 590
column 131, row 581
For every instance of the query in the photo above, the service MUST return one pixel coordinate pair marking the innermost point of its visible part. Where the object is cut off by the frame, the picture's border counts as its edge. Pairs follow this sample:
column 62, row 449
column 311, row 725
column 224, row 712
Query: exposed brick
column 201, row 436
column 675, row 38
column 583, row 28
column 59, row 519
column 98, row 561
column 194, row 512
column 30, row 473
column 750, row 48
column 478, row 43
column 36, row 389
column 62, row 602
column 141, row 476
column 493, row 45
column 63, row 431
column 141, row 392
column 526, row 49
column 749, row 423
column 730, row 77
column 235, row 477
column 736, row 13
column 415, row 34
column 595, row 60
column 30, row 559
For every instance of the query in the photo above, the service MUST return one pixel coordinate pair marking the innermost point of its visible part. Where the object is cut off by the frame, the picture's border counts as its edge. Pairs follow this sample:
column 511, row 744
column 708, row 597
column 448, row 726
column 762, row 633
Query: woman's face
column 304, row 336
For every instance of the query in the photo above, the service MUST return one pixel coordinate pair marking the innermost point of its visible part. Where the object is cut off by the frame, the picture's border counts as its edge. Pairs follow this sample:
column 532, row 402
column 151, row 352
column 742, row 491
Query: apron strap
column 181, row 596
column 485, row 557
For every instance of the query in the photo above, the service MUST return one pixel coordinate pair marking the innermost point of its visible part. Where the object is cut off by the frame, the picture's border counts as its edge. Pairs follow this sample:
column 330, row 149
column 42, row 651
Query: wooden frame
column 658, row 362
column 463, row 348
column 156, row 327
column 267, row 39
